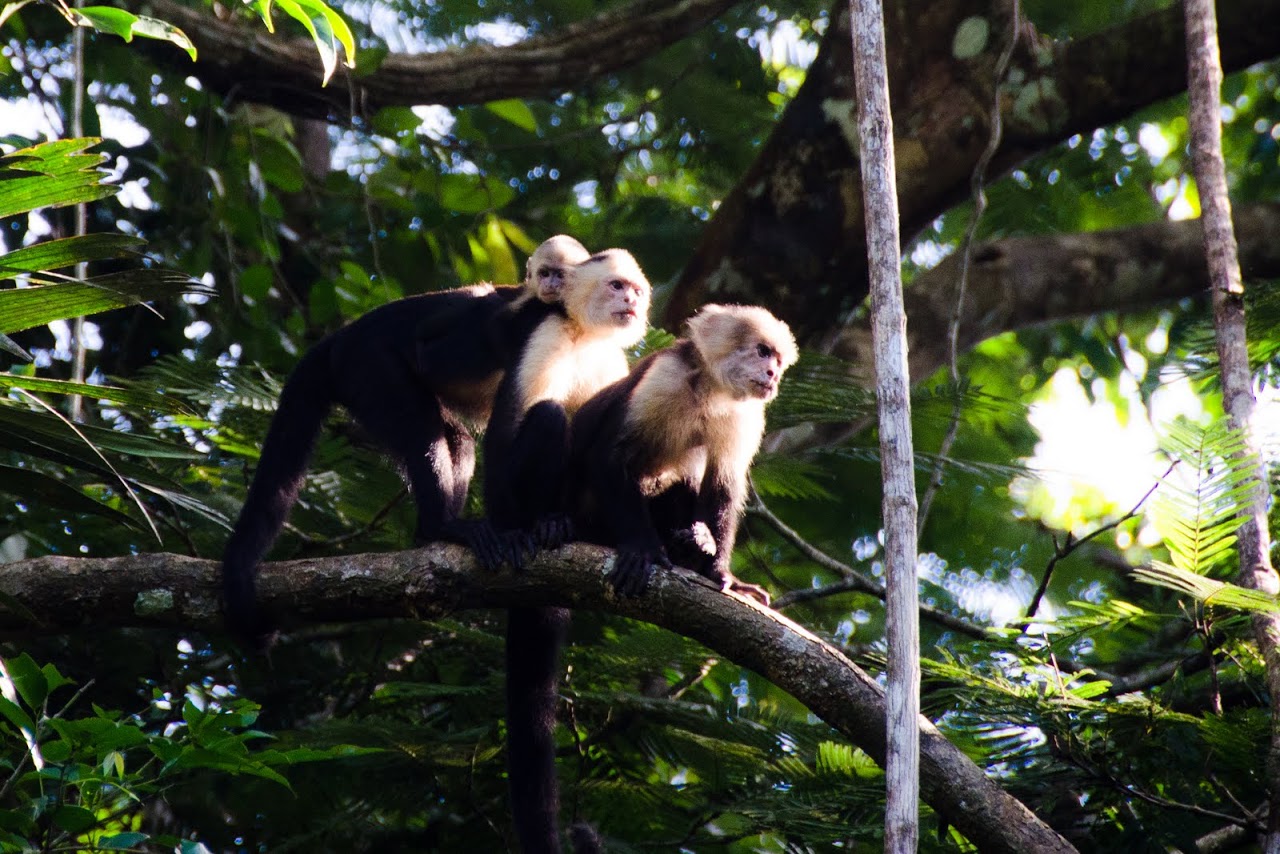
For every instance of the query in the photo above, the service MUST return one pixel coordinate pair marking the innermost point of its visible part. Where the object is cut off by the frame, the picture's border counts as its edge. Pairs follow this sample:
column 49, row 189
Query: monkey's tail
column 534, row 639
column 305, row 400
column 585, row 838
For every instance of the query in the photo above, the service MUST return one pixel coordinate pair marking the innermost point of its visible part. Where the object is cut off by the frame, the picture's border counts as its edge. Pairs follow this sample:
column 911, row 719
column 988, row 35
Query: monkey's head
column 608, row 294
column 545, row 270
column 745, row 348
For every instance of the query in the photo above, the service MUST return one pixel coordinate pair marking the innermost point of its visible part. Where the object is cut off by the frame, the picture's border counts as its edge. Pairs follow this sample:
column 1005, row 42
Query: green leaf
column 263, row 8
column 14, row 714
column 67, row 252
column 126, row 25
column 52, row 174
column 327, row 30
column 280, row 162
column 154, row 28
column 74, row 819
column 12, row 347
column 1207, row 590
column 514, row 111
column 115, row 394
column 28, row 679
column 11, row 8
column 337, row 26
column 123, row 841
column 45, row 491
column 24, row 308
column 106, row 19
column 471, row 194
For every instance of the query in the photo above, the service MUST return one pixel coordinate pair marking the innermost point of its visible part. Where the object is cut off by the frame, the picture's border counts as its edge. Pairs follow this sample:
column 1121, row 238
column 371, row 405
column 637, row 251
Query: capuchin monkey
column 563, row 363
column 472, row 341
column 659, row 460
column 418, row 401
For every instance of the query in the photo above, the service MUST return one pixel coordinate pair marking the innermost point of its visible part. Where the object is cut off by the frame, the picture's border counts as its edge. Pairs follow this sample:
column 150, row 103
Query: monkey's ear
column 711, row 326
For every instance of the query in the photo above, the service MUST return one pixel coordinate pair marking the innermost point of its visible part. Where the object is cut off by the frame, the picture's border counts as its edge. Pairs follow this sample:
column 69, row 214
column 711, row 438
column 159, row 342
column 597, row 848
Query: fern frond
column 1199, row 512
column 1208, row 590
column 780, row 476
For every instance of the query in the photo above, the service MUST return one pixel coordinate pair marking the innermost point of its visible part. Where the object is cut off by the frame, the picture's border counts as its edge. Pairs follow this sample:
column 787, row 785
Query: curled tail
column 534, row 638
column 304, row 402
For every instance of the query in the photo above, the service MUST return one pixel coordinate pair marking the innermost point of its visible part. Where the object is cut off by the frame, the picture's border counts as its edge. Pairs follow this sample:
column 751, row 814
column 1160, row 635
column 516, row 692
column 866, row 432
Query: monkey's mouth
column 626, row 316
column 765, row 389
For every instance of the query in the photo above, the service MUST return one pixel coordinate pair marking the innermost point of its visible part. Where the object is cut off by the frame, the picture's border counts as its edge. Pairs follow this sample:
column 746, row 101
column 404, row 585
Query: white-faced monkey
column 564, row 362
column 417, row 394
column 659, row 460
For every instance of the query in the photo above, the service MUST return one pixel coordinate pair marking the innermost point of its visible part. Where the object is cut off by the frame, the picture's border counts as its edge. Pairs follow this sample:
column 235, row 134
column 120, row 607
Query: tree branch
column 242, row 59
column 1020, row 282
column 790, row 233
column 52, row 594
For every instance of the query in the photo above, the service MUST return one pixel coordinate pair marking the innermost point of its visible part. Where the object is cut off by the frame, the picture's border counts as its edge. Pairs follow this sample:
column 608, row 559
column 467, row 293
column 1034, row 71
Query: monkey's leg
column 411, row 425
column 540, row 461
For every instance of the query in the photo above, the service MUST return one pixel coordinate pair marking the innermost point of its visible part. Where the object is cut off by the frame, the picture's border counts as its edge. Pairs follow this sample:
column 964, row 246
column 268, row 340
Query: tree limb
column 242, row 59
column 790, row 233
column 52, row 594
column 1020, row 282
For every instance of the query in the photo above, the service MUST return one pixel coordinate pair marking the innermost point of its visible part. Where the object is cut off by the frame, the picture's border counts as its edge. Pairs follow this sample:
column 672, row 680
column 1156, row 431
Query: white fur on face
column 548, row 263
column 745, row 348
column 608, row 294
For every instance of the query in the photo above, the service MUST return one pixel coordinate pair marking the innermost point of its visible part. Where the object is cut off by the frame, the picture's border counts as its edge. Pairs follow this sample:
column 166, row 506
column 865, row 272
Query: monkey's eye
column 764, row 351
column 547, row 271
column 617, row 284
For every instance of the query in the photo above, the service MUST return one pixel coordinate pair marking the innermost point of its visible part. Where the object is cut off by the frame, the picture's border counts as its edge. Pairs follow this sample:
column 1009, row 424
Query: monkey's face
column 609, row 293
column 548, row 263
column 622, row 302
column 755, row 369
column 548, row 278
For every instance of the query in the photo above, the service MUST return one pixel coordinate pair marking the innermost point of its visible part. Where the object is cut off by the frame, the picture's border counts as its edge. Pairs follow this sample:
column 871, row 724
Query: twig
column 977, row 184
column 1071, row 544
column 852, row 580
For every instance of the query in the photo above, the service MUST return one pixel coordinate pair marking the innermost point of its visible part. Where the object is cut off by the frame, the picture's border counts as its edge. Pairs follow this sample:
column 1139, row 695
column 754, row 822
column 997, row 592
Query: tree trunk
column 1253, row 538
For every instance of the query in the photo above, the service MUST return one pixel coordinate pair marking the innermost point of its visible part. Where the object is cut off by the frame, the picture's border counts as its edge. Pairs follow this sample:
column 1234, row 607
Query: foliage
column 87, row 772
column 1130, row 715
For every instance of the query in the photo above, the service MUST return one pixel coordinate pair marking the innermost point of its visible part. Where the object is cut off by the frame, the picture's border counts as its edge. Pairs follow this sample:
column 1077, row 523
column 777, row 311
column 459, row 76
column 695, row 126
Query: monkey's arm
column 537, row 462
column 720, row 501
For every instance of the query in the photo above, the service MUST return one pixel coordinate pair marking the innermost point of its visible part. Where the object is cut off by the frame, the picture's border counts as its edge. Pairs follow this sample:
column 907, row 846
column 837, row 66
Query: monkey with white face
column 564, row 361
column 474, row 339
column 567, row 359
column 417, row 374
column 659, row 460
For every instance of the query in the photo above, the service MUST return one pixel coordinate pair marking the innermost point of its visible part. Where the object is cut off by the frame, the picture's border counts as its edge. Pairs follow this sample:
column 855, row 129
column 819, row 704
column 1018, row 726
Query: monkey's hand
column 693, row 547
column 633, row 569
column 489, row 546
column 518, row 546
column 553, row 530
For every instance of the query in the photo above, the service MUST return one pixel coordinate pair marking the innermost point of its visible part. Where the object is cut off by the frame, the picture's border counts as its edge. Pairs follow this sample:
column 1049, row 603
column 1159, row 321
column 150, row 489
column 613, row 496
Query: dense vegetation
column 257, row 211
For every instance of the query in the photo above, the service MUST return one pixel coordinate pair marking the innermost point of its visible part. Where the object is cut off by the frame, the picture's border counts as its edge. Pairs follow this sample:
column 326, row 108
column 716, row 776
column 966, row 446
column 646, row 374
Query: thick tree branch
column 242, row 59
column 1021, row 282
column 52, row 594
column 1024, row 281
column 790, row 234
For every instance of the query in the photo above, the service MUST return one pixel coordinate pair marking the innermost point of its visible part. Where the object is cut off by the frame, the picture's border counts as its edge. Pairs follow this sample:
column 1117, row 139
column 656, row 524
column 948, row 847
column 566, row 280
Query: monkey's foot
column 753, row 591
column 633, row 570
column 518, row 546
column 553, row 530
column 482, row 538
